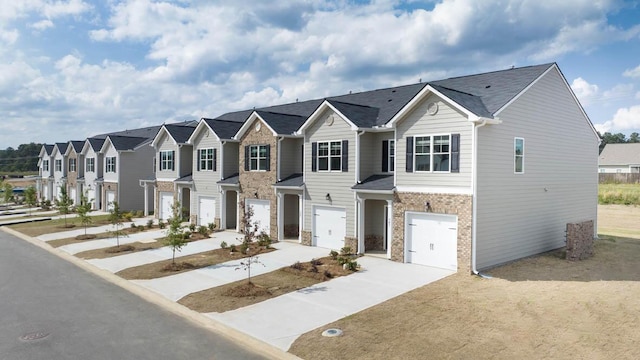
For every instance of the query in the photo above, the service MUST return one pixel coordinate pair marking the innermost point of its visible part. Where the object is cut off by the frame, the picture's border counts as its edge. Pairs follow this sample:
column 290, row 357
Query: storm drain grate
column 34, row 336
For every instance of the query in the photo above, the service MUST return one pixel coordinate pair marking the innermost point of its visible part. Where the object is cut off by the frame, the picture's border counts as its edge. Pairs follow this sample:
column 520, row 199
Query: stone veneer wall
column 453, row 204
column 306, row 238
column 162, row 186
column 105, row 188
column 579, row 240
column 260, row 182
column 72, row 176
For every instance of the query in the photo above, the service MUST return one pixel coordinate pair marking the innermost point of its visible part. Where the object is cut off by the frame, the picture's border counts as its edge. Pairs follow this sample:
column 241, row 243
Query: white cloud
column 42, row 24
column 619, row 92
column 624, row 119
column 584, row 91
column 632, row 73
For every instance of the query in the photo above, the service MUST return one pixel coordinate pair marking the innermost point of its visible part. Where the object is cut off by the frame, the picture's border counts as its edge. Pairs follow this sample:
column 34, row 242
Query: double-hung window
column 110, row 164
column 72, row 165
column 206, row 159
column 58, row 165
column 167, row 160
column 91, row 165
column 45, row 165
column 257, row 157
column 518, row 153
column 388, row 155
column 330, row 156
column 432, row 153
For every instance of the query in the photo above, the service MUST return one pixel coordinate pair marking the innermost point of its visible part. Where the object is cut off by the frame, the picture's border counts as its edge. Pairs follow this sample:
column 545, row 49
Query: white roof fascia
column 156, row 139
column 245, row 126
column 316, row 114
column 202, row 124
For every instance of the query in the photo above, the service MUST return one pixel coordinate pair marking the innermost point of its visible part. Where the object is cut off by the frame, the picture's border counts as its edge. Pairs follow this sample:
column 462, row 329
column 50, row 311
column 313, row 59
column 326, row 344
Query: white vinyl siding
column 58, row 163
column 110, row 152
column 45, row 165
column 205, row 182
column 445, row 122
column 91, row 165
column 110, row 164
column 518, row 155
column 206, row 159
column 330, row 156
column 523, row 215
column 290, row 157
column 337, row 184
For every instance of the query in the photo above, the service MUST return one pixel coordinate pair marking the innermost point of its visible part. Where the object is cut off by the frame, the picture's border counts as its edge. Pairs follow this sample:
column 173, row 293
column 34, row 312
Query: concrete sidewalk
column 90, row 230
column 118, row 263
column 301, row 311
column 146, row 236
column 175, row 287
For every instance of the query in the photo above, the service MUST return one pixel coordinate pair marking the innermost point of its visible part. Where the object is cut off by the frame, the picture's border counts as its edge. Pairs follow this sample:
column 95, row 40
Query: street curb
column 258, row 346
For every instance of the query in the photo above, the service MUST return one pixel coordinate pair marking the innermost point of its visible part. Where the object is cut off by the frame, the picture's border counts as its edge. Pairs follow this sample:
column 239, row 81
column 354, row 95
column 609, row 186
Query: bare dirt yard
column 542, row 307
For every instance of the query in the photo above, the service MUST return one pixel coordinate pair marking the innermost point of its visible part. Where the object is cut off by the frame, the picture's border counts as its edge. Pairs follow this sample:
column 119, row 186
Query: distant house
column 620, row 158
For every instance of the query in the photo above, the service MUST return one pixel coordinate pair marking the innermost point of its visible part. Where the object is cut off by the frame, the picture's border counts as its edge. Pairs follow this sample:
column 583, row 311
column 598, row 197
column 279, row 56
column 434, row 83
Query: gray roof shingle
column 62, row 147
column 231, row 180
column 48, row 148
column 180, row 133
column 293, row 180
column 96, row 143
column 121, row 143
column 620, row 154
column 376, row 183
column 283, row 124
column 77, row 145
column 225, row 129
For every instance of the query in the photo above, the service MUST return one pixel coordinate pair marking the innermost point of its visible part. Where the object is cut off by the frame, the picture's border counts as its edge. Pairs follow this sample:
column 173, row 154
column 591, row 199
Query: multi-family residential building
column 44, row 181
column 59, row 169
column 93, row 171
column 75, row 170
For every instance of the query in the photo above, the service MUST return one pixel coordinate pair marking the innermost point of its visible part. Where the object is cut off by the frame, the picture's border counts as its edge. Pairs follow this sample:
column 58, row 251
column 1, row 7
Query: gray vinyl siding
column 371, row 153
column 446, row 121
column 516, row 216
column 231, row 159
column 91, row 176
column 166, row 144
column 134, row 166
column 337, row 184
column 111, row 176
column 205, row 182
column 290, row 156
column 186, row 160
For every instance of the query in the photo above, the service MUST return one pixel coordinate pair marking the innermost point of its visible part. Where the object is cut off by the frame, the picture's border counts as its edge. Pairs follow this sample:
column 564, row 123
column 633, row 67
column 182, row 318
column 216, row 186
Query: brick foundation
column 579, row 240
column 306, row 238
column 374, row 242
column 460, row 205
column 165, row 187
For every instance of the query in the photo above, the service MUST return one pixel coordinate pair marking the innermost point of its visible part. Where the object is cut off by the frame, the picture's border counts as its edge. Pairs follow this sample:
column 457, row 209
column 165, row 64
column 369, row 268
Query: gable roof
column 620, row 154
column 76, row 145
column 62, row 147
column 179, row 133
column 46, row 149
column 224, row 129
column 96, row 143
column 124, row 143
column 280, row 123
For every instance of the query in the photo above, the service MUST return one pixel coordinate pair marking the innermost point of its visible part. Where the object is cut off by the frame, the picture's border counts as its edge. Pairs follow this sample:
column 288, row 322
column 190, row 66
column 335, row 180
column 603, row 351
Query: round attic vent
column 329, row 120
column 432, row 108
column 258, row 126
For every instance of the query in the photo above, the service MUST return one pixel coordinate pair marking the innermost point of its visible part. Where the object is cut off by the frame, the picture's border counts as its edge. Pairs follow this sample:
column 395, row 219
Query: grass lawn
column 622, row 194
column 98, row 236
column 57, row 225
column 263, row 287
column 541, row 307
column 185, row 263
column 619, row 220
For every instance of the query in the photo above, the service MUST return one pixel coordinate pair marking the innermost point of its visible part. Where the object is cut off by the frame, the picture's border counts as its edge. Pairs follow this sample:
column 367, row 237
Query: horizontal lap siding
column 205, row 182
column 231, row 159
column 446, row 121
column 338, row 184
column 111, row 176
column 166, row 144
column 134, row 166
column 290, row 157
column 186, row 160
column 516, row 216
column 368, row 161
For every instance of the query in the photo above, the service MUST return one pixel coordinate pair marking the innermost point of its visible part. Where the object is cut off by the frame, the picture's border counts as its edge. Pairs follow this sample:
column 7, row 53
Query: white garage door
column 431, row 239
column 261, row 214
column 329, row 227
column 166, row 200
column 111, row 197
column 206, row 211
column 72, row 196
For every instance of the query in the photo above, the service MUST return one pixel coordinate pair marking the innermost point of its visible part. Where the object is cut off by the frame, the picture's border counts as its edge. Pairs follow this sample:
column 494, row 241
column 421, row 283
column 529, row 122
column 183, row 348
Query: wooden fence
column 619, row 178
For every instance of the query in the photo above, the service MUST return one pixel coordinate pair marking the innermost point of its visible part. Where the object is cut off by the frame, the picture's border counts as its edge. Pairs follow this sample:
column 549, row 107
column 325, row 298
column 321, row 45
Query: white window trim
column 165, row 162
column 200, row 151
column 58, row 165
column 75, row 165
column 45, row 165
column 91, row 168
column 107, row 164
column 328, row 156
column 258, row 158
column 431, row 152
column 515, row 141
column 390, row 166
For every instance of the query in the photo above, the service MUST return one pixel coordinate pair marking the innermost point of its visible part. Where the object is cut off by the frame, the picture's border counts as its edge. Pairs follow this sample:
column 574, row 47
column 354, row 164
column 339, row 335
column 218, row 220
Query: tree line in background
column 619, row 138
column 22, row 159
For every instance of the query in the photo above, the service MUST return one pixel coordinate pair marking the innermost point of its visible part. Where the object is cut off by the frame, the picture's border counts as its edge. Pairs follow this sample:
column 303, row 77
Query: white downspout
column 279, row 150
column 474, row 176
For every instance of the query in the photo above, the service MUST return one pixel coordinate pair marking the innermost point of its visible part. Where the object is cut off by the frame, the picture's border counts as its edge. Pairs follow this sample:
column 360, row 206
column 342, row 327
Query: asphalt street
column 51, row 309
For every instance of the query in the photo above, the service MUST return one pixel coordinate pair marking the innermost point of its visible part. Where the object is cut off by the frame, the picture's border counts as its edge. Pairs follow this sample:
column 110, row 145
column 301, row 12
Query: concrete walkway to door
column 304, row 310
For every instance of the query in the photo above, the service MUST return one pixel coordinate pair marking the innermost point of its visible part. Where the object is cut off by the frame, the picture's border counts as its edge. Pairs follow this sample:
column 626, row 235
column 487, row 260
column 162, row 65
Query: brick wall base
column 306, row 238
column 351, row 242
column 579, row 240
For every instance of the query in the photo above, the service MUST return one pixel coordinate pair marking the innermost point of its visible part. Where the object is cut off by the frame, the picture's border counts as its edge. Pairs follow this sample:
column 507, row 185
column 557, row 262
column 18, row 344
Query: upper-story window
column 518, row 153
column 110, row 164
column 72, row 165
column 388, row 155
column 207, row 159
column 330, row 156
column 45, row 165
column 167, row 160
column 91, row 164
column 258, row 157
column 433, row 153
column 58, row 165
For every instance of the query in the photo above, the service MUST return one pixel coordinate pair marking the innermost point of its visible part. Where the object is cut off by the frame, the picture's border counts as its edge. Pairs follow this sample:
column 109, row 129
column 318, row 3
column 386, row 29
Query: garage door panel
column 111, row 197
column 261, row 214
column 206, row 211
column 329, row 228
column 166, row 201
column 431, row 239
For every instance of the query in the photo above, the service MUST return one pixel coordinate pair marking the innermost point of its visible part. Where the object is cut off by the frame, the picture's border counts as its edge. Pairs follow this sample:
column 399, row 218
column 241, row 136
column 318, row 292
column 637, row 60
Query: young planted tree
column 83, row 213
column 7, row 196
column 30, row 197
column 63, row 203
column 175, row 234
column 249, row 232
column 115, row 218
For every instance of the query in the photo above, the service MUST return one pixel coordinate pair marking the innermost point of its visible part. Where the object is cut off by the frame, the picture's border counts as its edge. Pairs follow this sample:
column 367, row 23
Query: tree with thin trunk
column 115, row 218
column 175, row 234
column 63, row 203
column 250, row 232
column 30, row 197
column 83, row 212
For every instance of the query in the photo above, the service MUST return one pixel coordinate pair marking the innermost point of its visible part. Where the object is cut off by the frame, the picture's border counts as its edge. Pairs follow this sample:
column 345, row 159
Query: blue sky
column 70, row 69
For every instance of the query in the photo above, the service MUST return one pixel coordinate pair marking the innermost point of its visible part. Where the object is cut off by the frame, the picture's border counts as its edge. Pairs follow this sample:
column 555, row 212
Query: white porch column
column 280, row 215
column 389, row 239
column 361, row 215
column 146, row 199
column 300, row 216
column 223, row 209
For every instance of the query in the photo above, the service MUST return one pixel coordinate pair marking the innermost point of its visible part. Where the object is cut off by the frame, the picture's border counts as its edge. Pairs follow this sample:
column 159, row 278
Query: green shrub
column 202, row 230
column 244, row 248
column 223, row 245
column 264, row 240
column 150, row 223
column 232, row 248
column 161, row 224
column 192, row 227
column 333, row 254
column 187, row 234
column 345, row 251
column 211, row 226
column 296, row 266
